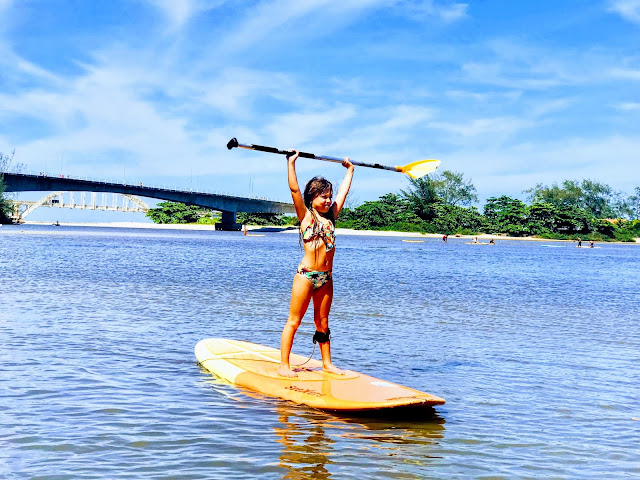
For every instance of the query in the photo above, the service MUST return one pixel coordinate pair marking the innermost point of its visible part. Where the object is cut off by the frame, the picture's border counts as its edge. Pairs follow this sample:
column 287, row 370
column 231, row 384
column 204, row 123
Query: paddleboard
column 413, row 241
column 255, row 367
column 254, row 235
column 479, row 243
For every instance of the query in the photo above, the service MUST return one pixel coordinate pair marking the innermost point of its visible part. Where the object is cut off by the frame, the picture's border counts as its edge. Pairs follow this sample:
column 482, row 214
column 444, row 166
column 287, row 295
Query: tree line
column 444, row 204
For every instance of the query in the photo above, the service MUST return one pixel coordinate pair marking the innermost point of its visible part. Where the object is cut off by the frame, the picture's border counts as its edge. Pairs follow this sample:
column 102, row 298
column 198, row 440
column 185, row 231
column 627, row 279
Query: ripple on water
column 535, row 350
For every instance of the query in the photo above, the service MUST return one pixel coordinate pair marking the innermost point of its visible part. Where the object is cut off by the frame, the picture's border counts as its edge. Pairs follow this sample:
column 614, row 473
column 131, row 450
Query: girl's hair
column 315, row 187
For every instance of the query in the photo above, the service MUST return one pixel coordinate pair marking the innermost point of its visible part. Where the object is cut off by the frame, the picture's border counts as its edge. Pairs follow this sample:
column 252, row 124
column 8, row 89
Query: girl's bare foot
column 332, row 369
column 286, row 372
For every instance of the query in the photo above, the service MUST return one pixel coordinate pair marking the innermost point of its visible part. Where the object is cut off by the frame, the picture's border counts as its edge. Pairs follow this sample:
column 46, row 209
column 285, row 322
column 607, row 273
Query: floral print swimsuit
column 328, row 234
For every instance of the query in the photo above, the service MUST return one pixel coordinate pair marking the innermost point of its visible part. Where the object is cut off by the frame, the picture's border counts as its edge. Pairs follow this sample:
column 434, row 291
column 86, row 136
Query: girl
column 317, row 216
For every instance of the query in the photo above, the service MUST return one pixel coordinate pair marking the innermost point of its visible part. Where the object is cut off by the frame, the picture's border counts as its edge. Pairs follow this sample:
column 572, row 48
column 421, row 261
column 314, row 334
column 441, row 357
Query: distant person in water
column 579, row 242
column 591, row 243
column 445, row 238
column 492, row 242
column 317, row 213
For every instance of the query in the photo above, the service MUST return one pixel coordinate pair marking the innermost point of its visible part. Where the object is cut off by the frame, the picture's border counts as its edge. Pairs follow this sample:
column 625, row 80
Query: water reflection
column 306, row 448
column 310, row 439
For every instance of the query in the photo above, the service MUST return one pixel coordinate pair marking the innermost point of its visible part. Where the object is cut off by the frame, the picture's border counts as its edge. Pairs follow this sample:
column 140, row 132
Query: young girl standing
column 317, row 214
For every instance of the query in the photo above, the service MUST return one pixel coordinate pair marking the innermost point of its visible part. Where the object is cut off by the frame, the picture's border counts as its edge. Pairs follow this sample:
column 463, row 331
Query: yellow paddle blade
column 420, row 168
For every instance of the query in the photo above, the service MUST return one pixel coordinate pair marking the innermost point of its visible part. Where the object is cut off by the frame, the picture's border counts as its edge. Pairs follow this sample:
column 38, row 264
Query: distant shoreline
column 279, row 229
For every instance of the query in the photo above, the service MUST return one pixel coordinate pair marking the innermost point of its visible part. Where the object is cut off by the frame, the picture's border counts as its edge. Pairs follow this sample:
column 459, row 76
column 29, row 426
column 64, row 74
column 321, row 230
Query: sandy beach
column 292, row 230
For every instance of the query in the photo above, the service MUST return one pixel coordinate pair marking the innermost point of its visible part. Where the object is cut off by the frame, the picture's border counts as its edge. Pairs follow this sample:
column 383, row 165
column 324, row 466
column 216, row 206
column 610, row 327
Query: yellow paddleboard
column 254, row 367
column 413, row 241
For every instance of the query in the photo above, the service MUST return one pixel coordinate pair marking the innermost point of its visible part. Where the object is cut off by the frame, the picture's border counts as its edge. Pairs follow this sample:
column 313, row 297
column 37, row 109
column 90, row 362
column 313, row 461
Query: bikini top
column 327, row 232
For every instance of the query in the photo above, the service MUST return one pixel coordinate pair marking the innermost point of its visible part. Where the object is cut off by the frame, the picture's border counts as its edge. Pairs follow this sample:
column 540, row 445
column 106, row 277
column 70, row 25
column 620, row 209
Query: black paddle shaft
column 261, row 148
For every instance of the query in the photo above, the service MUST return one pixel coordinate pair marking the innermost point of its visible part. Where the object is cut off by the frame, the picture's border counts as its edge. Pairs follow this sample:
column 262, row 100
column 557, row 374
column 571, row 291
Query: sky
column 511, row 94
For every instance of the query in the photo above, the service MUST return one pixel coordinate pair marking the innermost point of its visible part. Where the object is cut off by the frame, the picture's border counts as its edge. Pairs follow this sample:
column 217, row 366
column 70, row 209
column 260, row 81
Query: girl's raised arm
column 341, row 197
column 296, row 195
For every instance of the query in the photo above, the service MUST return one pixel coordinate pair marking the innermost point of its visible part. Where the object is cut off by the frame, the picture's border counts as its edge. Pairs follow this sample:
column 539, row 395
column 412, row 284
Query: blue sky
column 509, row 93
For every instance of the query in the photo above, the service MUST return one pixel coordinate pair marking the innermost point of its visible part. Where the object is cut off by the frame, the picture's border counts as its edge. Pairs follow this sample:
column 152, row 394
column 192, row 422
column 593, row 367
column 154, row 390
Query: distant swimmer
column 492, row 242
column 579, row 242
column 591, row 244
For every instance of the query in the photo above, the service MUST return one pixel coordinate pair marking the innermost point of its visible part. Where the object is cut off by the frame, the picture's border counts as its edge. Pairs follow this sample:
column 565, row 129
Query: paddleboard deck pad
column 255, row 367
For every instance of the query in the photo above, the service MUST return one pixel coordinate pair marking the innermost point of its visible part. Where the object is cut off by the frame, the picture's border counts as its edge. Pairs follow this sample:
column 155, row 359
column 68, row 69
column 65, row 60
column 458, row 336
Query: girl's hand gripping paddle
column 414, row 170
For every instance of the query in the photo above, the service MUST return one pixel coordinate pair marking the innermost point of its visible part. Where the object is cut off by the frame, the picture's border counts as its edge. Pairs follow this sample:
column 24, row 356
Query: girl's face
column 322, row 203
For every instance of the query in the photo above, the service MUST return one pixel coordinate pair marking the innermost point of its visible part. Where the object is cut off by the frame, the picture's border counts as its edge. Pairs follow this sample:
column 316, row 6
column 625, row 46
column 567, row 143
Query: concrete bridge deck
column 229, row 205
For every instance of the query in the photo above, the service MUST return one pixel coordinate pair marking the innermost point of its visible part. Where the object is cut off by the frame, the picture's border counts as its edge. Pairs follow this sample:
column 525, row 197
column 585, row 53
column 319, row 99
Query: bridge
column 229, row 205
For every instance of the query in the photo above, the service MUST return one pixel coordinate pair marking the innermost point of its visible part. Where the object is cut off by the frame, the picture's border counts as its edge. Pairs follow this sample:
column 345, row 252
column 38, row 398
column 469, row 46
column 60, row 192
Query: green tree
column 174, row 212
column 506, row 215
column 453, row 219
column 6, row 206
column 260, row 219
column 574, row 220
column 541, row 218
column 453, row 189
column 634, row 204
column 622, row 205
column 569, row 194
column 422, row 198
column 594, row 197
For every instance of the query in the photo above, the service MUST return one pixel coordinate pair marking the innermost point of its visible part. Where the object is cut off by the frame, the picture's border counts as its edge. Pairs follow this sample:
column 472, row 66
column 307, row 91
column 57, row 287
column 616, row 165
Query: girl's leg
column 300, row 297
column 322, row 299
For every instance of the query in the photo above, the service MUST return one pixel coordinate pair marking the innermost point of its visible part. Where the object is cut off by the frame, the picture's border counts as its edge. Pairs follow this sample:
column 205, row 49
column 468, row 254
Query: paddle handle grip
column 261, row 148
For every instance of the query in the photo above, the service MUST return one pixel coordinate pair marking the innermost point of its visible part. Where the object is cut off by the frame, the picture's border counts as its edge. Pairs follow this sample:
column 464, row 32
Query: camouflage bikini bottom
column 317, row 278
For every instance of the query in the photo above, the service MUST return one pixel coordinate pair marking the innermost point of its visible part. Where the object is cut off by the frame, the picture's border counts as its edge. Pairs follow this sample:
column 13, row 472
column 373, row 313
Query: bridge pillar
column 15, row 217
column 228, row 222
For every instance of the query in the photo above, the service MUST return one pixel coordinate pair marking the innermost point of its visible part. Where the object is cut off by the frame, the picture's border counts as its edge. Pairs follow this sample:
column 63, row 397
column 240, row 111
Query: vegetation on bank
column 174, row 212
column 443, row 204
column 5, row 204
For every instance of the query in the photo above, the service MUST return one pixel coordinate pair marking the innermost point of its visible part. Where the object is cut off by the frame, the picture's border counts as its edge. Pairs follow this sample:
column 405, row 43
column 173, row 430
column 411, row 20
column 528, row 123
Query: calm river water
column 535, row 349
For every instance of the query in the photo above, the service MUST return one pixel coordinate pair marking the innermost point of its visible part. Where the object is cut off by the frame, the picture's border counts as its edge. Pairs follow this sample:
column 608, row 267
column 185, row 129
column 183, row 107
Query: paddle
column 414, row 170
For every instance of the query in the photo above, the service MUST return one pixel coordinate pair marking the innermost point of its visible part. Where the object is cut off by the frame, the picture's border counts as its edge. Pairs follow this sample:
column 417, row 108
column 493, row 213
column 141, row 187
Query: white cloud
column 286, row 20
column 627, row 106
column 235, row 90
column 303, row 127
column 424, row 9
column 5, row 4
column 627, row 9
column 625, row 74
column 178, row 12
column 502, row 127
column 15, row 67
column 518, row 167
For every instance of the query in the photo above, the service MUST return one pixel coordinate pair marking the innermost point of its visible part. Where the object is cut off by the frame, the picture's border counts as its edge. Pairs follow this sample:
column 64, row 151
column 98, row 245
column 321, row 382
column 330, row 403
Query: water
column 536, row 350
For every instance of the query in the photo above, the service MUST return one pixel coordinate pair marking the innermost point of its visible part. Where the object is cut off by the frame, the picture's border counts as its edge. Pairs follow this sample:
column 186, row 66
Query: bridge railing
column 141, row 185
